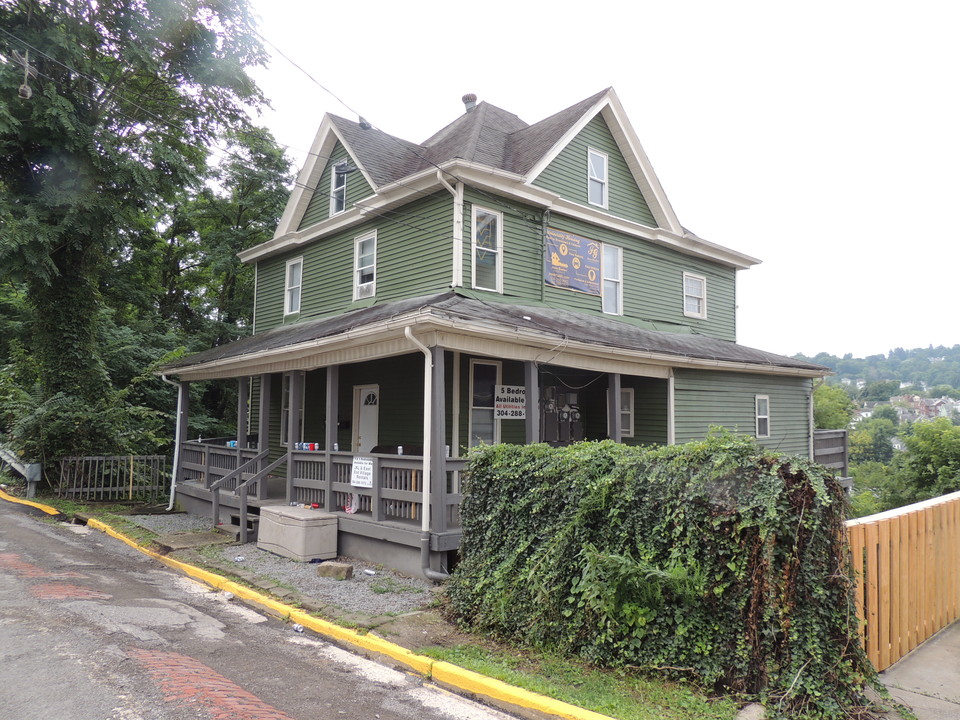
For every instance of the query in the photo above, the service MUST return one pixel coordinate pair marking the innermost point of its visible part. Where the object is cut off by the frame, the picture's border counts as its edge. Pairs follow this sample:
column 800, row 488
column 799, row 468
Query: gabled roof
column 563, row 333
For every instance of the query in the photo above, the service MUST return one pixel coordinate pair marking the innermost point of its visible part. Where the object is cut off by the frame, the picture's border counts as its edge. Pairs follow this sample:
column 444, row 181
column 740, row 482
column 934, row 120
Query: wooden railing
column 907, row 563
column 114, row 477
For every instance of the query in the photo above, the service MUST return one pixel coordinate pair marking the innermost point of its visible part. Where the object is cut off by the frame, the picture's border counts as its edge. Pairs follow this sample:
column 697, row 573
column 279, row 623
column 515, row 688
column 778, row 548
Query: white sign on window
column 510, row 402
column 361, row 474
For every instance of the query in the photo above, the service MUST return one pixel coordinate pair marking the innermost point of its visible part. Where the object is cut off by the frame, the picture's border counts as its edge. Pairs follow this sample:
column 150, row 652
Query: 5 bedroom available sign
column 510, row 402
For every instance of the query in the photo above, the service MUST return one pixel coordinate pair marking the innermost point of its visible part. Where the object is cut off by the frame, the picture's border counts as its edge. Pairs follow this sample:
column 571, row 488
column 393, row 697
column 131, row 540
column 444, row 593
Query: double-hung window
column 285, row 409
column 763, row 415
column 694, row 295
column 612, row 271
column 294, row 281
column 484, row 378
column 487, row 249
column 626, row 413
column 365, row 266
column 597, row 178
column 338, row 188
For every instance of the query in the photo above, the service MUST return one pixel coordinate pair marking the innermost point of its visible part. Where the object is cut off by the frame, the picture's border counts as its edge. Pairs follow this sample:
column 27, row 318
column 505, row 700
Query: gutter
column 176, row 442
column 457, row 280
column 428, row 572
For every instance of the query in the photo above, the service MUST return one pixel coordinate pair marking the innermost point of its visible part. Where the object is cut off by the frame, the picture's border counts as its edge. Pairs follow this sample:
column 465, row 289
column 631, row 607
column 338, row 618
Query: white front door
column 366, row 418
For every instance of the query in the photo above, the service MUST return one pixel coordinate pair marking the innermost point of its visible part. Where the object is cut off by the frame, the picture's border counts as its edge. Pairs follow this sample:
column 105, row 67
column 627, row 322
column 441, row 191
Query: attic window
column 338, row 188
column 597, row 178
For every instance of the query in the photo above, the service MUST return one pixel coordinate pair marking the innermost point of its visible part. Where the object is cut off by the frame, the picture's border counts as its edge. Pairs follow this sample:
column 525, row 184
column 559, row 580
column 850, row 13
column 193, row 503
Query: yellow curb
column 46, row 508
column 443, row 672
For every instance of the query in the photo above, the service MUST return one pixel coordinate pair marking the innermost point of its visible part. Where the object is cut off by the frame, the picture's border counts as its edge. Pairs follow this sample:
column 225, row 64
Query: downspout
column 428, row 572
column 176, row 443
column 457, row 280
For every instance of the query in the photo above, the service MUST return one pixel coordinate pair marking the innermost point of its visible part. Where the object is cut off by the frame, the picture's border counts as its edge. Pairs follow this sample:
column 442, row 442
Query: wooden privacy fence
column 114, row 477
column 907, row 562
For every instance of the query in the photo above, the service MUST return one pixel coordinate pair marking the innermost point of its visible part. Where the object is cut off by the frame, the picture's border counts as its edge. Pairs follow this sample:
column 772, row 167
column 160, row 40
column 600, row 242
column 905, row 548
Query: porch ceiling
column 497, row 329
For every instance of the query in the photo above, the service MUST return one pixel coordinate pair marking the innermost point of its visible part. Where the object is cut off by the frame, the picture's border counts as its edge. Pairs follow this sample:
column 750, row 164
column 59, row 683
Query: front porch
column 231, row 484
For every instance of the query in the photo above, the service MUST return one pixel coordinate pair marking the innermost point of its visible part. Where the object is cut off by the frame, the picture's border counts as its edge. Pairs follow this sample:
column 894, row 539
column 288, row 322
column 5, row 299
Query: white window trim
column 473, row 248
column 605, row 180
column 288, row 309
column 470, row 407
column 364, row 290
column 618, row 279
column 625, row 432
column 285, row 407
column 703, row 299
column 337, row 190
column 759, row 416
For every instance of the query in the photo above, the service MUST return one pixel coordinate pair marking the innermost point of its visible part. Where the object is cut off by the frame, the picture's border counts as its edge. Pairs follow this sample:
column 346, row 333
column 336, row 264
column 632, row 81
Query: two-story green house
column 499, row 282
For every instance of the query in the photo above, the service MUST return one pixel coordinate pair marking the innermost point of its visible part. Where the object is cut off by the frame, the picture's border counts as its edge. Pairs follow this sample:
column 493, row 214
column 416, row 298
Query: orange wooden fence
column 907, row 563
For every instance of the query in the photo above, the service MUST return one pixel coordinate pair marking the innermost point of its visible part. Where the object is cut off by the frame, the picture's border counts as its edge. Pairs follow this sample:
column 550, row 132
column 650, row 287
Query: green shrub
column 715, row 560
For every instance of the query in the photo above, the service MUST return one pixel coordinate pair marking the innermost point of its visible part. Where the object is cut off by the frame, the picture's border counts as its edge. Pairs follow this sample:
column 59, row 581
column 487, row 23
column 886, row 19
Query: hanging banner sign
column 510, row 402
column 361, row 473
column 572, row 262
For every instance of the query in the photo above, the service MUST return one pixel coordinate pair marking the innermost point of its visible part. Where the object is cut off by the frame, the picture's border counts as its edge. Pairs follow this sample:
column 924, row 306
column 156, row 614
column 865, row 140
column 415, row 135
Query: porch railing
column 114, row 477
column 907, row 563
column 211, row 461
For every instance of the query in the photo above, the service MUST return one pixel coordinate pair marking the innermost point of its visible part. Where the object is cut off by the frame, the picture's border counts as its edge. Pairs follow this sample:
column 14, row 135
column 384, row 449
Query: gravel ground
column 374, row 590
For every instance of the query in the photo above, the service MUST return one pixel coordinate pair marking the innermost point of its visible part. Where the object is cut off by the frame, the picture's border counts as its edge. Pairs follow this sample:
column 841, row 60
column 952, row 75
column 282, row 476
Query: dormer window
column 338, row 188
column 597, row 178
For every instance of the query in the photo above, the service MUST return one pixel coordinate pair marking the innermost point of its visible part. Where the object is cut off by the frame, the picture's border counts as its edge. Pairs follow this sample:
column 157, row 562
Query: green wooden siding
column 357, row 189
column 567, row 174
column 419, row 237
column 703, row 399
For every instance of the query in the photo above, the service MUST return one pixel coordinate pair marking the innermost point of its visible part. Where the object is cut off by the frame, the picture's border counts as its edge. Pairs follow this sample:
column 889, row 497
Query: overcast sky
column 822, row 138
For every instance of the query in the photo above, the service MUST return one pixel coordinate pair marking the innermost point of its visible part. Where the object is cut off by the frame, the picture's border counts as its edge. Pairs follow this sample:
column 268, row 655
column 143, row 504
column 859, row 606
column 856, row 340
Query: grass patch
column 390, row 585
column 619, row 694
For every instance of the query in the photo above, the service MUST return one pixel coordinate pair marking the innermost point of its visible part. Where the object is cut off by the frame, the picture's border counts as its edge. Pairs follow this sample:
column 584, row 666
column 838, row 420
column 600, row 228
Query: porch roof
column 456, row 321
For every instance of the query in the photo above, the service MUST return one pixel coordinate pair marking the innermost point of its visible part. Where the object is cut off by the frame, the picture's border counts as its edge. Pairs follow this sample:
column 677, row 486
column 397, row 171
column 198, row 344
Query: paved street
column 90, row 629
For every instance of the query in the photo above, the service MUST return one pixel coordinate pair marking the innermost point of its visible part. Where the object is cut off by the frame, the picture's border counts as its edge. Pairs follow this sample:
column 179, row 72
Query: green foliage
column 716, row 560
column 871, row 441
column 933, row 459
column 936, row 368
column 833, row 408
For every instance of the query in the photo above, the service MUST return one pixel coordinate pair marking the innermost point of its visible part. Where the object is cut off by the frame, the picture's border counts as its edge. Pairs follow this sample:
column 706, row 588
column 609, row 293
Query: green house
column 499, row 282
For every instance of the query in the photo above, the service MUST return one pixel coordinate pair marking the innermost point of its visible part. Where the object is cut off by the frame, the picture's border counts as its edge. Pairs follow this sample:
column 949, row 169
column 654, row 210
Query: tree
column 933, row 458
column 126, row 98
column 871, row 441
column 833, row 408
column 880, row 390
column 886, row 411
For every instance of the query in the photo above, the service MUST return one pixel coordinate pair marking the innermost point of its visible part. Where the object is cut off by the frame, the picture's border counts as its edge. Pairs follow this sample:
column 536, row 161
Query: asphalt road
column 91, row 629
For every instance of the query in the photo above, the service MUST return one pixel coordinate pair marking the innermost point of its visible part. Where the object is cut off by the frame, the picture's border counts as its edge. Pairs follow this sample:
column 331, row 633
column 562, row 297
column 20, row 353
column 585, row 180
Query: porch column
column 438, row 428
column 613, row 407
column 263, row 422
column 330, row 436
column 243, row 398
column 293, row 424
column 531, row 378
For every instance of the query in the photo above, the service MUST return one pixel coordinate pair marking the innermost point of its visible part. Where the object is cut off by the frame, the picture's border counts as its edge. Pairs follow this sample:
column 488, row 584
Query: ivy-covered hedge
column 716, row 560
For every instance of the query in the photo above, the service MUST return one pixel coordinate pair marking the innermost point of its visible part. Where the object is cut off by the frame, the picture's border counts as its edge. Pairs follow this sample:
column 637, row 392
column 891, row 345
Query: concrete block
column 336, row 570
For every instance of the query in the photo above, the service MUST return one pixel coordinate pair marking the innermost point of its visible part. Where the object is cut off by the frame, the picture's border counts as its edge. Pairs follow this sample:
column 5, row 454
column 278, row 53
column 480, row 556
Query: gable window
column 597, row 178
column 291, row 297
column 487, row 250
column 612, row 271
column 694, row 296
column 365, row 266
column 338, row 188
column 484, row 378
column 763, row 415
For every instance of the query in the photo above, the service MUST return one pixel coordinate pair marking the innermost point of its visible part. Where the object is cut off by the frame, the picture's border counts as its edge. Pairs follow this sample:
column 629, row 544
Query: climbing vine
column 716, row 561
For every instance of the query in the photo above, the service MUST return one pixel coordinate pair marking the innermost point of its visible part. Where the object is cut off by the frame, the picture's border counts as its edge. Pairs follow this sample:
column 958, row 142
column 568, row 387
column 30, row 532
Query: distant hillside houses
column 913, row 408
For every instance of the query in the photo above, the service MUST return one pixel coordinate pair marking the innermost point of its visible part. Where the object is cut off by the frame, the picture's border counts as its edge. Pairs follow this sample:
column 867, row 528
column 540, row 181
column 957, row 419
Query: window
column 487, row 250
column 597, row 178
column 285, row 409
column 365, row 266
column 763, row 415
column 694, row 296
column 338, row 188
column 291, row 298
column 612, row 271
column 626, row 413
column 484, row 378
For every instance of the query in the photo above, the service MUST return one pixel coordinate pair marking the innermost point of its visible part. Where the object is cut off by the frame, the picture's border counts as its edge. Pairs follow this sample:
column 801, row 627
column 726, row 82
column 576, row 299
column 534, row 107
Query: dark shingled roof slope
column 565, row 324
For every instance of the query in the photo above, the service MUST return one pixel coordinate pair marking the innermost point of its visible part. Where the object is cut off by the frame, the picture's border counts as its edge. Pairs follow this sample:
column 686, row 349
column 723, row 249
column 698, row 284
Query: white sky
column 822, row 137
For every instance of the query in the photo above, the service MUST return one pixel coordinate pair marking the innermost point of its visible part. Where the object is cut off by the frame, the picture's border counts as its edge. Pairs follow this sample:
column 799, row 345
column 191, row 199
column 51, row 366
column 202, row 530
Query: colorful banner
column 572, row 262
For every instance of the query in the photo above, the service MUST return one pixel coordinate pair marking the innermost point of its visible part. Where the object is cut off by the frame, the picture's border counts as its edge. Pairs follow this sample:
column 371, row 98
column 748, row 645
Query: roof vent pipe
column 469, row 101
